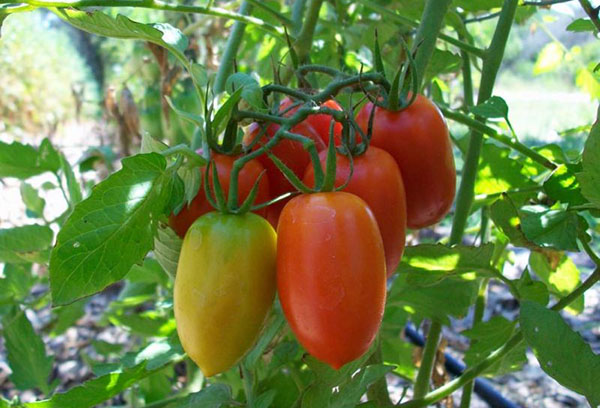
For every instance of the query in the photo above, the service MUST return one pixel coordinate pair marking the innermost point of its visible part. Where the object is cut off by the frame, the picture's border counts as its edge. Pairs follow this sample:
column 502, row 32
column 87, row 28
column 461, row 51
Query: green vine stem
column 481, row 127
column 428, row 359
column 231, row 48
column 378, row 392
column 297, row 14
column 157, row 5
column 427, row 34
column 491, row 65
column 303, row 43
column 490, row 68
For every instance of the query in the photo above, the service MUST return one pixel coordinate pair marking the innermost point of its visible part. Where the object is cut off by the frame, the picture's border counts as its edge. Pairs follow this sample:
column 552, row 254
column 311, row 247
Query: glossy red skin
column 199, row 206
column 417, row 137
column 377, row 180
column 331, row 274
column 291, row 153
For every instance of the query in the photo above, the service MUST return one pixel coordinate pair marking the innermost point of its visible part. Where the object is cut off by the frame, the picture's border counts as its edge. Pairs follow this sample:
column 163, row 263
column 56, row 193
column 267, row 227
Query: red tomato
column 377, row 180
column 417, row 137
column 199, row 206
column 322, row 122
column 291, row 153
column 331, row 274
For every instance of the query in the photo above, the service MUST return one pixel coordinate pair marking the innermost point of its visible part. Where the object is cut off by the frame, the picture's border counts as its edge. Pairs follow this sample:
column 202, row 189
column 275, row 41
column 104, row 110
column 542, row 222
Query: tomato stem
column 428, row 360
column 231, row 48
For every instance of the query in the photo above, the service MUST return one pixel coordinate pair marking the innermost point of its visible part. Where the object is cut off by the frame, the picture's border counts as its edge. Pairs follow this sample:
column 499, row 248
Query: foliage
column 544, row 200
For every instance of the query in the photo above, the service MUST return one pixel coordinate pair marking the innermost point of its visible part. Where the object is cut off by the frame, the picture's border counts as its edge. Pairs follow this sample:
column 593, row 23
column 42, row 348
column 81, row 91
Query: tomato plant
column 102, row 303
column 417, row 137
column 199, row 206
column 331, row 274
column 220, row 306
column 376, row 179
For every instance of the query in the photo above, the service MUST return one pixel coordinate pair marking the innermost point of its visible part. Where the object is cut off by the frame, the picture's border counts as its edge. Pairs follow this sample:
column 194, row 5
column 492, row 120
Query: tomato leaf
column 427, row 264
column 27, row 244
column 24, row 161
column 26, row 353
column 349, row 394
column 498, row 172
column 251, row 90
column 493, row 108
column 489, row 336
column 590, row 176
column 562, row 353
column 213, row 396
column 506, row 217
column 72, row 184
column 111, row 230
column 133, row 368
column 450, row 296
column 580, row 25
column 167, row 246
column 556, row 229
column 559, row 273
column 96, row 22
column 529, row 289
column 32, row 200
column 562, row 185
column 480, row 5
column 17, row 282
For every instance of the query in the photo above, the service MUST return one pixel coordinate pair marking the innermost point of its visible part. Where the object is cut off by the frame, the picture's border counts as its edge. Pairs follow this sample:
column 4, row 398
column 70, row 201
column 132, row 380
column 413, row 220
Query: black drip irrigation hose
column 483, row 388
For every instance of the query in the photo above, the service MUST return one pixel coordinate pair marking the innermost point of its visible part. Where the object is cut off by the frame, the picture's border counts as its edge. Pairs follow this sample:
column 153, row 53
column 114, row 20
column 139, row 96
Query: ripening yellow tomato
column 224, row 288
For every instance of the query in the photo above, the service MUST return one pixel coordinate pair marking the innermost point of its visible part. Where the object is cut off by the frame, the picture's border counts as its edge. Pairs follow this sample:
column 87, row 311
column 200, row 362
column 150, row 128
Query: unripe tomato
column 377, row 180
column 224, row 287
column 291, row 153
column 331, row 274
column 417, row 137
column 199, row 206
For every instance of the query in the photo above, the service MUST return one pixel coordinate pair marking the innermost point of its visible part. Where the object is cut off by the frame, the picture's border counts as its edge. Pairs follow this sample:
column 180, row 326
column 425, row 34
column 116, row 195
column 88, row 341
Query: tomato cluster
column 332, row 252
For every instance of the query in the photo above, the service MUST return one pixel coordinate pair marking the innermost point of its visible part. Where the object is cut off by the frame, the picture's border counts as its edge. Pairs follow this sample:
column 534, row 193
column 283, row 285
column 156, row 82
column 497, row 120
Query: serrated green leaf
column 546, row 228
column 167, row 246
column 32, row 200
column 505, row 215
column 151, row 144
column 134, row 368
column 24, row 161
column 590, row 176
column 562, row 353
column 559, row 273
column 498, row 172
column 442, row 62
column 493, row 108
column 73, row 186
column 17, row 282
column 213, row 396
column 251, row 90
column 26, row 353
column 192, row 181
column 96, row 22
column 427, row 264
column 66, row 316
column 350, row 393
column 489, row 336
column 562, row 185
column 27, row 244
column 450, row 297
column 529, row 289
column 111, row 230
